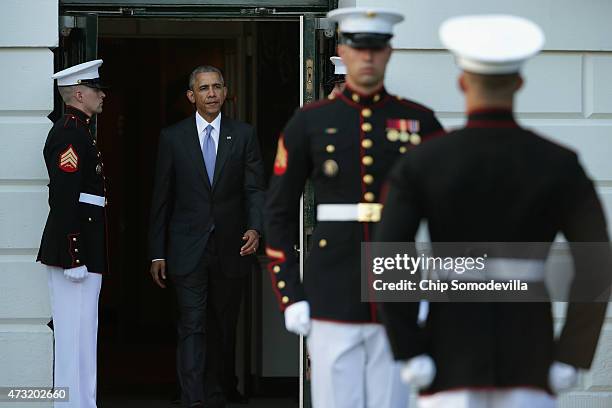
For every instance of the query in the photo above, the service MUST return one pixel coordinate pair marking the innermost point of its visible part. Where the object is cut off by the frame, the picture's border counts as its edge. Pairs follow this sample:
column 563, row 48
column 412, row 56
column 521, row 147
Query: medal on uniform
column 414, row 126
column 393, row 135
column 330, row 168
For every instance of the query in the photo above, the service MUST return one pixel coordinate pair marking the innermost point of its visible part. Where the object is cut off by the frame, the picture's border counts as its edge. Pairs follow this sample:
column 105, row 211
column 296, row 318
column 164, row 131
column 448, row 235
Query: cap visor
column 366, row 40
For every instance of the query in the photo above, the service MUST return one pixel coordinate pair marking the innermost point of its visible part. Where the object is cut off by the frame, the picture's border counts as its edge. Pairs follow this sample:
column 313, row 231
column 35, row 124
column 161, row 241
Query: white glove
column 77, row 274
column 419, row 371
column 562, row 376
column 297, row 318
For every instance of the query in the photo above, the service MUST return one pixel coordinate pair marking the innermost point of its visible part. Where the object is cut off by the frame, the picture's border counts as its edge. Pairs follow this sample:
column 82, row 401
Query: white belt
column 500, row 269
column 362, row 212
column 92, row 199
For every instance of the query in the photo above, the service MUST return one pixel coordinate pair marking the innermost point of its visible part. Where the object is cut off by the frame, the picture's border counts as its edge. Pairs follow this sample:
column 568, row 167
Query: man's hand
column 297, row 318
column 76, row 275
column 252, row 243
column 158, row 272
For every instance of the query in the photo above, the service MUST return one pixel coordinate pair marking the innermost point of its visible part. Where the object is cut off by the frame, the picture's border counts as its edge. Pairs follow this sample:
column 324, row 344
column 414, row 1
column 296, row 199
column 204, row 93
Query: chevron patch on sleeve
column 69, row 160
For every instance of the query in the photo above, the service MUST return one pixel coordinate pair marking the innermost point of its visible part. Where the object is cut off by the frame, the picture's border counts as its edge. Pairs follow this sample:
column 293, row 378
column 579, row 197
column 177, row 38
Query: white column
column 28, row 28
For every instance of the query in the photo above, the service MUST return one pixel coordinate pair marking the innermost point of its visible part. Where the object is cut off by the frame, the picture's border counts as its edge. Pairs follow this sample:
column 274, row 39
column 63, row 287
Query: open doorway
column 147, row 63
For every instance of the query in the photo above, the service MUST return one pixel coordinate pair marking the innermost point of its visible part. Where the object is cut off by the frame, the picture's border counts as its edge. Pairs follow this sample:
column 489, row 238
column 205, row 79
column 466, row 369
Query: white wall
column 567, row 97
column 28, row 28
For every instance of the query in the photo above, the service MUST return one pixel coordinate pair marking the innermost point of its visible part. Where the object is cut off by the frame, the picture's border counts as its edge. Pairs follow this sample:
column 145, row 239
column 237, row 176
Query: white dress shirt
column 201, row 124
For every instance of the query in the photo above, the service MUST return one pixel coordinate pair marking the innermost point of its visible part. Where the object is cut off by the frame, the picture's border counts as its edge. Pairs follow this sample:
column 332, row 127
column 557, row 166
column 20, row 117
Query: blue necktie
column 208, row 150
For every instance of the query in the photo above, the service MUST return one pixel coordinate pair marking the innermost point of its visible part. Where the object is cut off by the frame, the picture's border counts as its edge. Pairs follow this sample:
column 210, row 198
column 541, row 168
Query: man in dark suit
column 494, row 181
column 205, row 224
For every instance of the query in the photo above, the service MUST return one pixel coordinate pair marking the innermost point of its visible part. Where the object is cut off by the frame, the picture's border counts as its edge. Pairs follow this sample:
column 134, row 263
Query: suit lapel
column 195, row 150
column 225, row 147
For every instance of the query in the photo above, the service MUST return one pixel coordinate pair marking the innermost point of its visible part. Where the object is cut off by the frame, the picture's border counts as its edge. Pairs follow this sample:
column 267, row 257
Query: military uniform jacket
column 345, row 146
column 75, row 232
column 492, row 181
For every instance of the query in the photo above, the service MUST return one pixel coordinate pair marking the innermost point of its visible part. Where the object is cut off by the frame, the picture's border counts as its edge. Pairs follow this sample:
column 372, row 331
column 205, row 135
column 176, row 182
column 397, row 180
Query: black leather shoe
column 237, row 398
column 216, row 401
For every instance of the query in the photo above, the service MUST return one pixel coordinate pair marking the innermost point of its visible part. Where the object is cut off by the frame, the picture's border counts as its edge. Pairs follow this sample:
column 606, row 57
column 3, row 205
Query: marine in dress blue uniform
column 73, row 245
column 493, row 181
column 345, row 146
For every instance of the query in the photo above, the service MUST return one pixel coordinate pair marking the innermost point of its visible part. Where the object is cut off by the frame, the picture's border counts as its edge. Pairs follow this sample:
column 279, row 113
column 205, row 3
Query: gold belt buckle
column 369, row 212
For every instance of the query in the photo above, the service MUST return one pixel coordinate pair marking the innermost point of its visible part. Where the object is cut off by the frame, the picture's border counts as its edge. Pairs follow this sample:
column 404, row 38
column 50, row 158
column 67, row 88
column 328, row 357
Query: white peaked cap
column 339, row 67
column 78, row 74
column 491, row 44
column 365, row 20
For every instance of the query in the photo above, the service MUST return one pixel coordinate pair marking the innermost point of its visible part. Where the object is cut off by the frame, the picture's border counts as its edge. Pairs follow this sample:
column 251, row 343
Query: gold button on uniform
column 356, row 98
column 281, row 284
column 368, row 179
column 403, row 149
column 330, row 168
column 376, row 98
column 74, row 239
column 77, row 261
column 366, row 127
column 366, row 143
column 367, row 160
column 369, row 197
column 276, row 269
column 330, row 148
column 366, row 112
column 322, row 243
column 76, row 250
column 285, row 300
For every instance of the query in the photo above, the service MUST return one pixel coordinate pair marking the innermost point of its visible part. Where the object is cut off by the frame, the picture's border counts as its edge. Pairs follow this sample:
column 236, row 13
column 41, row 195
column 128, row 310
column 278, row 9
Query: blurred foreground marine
column 74, row 240
column 494, row 181
column 345, row 146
